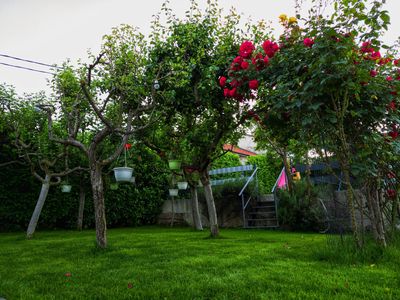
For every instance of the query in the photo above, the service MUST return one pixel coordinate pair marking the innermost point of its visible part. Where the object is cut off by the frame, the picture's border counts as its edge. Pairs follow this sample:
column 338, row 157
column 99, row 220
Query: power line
column 29, row 61
column 24, row 68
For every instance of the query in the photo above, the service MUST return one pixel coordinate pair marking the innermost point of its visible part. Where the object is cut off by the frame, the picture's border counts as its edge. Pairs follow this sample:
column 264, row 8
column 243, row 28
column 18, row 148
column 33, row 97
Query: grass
column 164, row 263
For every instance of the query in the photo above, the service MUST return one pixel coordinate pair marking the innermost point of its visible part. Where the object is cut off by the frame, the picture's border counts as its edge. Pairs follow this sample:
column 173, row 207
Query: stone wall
column 230, row 214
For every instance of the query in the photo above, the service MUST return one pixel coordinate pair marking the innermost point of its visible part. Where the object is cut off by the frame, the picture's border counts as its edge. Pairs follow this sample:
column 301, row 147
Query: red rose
column 373, row 73
column 128, row 146
column 308, row 42
column 366, row 47
column 391, row 193
column 270, row 48
column 384, row 61
column 396, row 62
column 246, row 49
column 234, row 83
column 222, row 81
column 253, row 84
column 232, row 92
column 394, row 134
column 68, row 274
column 375, row 55
column 266, row 60
column 389, row 78
column 239, row 97
column 258, row 61
column 238, row 60
column 226, row 92
column 392, row 105
column 244, row 65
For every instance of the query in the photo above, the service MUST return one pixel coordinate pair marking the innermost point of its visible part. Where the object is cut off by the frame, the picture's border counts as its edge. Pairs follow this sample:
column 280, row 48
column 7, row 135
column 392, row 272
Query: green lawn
column 164, row 263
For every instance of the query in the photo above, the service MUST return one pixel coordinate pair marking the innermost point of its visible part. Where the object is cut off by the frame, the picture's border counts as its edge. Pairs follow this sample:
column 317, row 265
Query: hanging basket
column 123, row 174
column 114, row 186
column 133, row 180
column 66, row 188
column 182, row 185
column 173, row 192
column 174, row 164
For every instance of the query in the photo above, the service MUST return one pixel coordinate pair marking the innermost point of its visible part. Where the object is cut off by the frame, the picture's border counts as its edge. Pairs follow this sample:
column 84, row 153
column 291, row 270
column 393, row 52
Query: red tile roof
column 237, row 150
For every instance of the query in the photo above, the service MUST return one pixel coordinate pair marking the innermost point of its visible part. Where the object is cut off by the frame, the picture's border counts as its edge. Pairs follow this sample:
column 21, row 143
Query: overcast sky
column 51, row 31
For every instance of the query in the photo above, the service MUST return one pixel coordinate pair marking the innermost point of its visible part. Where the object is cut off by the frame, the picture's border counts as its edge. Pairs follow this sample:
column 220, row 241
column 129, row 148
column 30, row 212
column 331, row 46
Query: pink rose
column 308, row 42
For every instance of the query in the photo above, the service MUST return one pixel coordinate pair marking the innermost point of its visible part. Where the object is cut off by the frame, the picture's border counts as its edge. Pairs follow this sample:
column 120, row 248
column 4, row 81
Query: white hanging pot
column 182, row 185
column 173, row 192
column 66, row 188
column 123, row 174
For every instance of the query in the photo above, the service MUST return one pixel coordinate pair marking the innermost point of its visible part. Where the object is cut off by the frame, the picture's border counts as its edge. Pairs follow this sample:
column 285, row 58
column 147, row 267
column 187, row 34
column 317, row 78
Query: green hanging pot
column 174, row 164
column 114, row 186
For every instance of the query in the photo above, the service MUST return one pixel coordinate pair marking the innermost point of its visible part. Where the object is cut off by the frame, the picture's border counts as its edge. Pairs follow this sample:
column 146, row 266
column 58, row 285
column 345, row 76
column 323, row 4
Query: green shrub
column 269, row 167
column 299, row 210
column 129, row 205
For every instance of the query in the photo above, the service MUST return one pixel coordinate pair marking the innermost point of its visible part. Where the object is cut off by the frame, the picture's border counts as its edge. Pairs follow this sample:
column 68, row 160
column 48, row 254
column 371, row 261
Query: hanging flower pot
column 123, row 173
column 173, row 192
column 182, row 185
column 66, row 188
column 114, row 186
column 174, row 164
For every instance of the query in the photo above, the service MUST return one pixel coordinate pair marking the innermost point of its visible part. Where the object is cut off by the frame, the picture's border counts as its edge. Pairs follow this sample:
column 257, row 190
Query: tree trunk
column 99, row 207
column 379, row 216
column 308, row 177
column 82, row 196
column 38, row 208
column 212, row 212
column 195, row 208
column 173, row 211
column 395, row 206
column 371, row 213
column 375, row 215
column 350, row 201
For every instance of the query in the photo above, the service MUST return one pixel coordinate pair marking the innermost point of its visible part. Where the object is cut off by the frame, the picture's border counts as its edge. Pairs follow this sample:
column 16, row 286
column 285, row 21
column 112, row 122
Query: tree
column 113, row 97
column 192, row 54
column 27, row 135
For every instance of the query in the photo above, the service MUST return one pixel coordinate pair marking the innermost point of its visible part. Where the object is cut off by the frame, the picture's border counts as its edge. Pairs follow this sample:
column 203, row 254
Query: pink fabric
column 282, row 180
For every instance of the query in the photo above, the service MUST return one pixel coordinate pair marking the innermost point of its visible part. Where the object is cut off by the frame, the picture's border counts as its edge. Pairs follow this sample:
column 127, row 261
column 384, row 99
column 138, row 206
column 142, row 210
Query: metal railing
column 241, row 194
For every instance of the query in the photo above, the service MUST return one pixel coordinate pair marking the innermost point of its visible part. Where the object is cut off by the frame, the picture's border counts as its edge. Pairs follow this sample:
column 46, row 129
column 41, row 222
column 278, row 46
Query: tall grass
column 341, row 249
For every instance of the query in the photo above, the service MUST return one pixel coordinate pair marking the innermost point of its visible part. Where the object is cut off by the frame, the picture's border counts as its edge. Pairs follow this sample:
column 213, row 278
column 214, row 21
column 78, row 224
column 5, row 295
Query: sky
column 52, row 31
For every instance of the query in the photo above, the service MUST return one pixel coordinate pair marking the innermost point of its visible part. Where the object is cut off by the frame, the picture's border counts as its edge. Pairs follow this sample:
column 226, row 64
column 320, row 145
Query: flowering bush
column 327, row 88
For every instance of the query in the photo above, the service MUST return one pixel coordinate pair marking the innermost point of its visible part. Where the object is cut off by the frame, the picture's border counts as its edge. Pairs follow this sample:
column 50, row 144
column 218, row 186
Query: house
column 243, row 153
